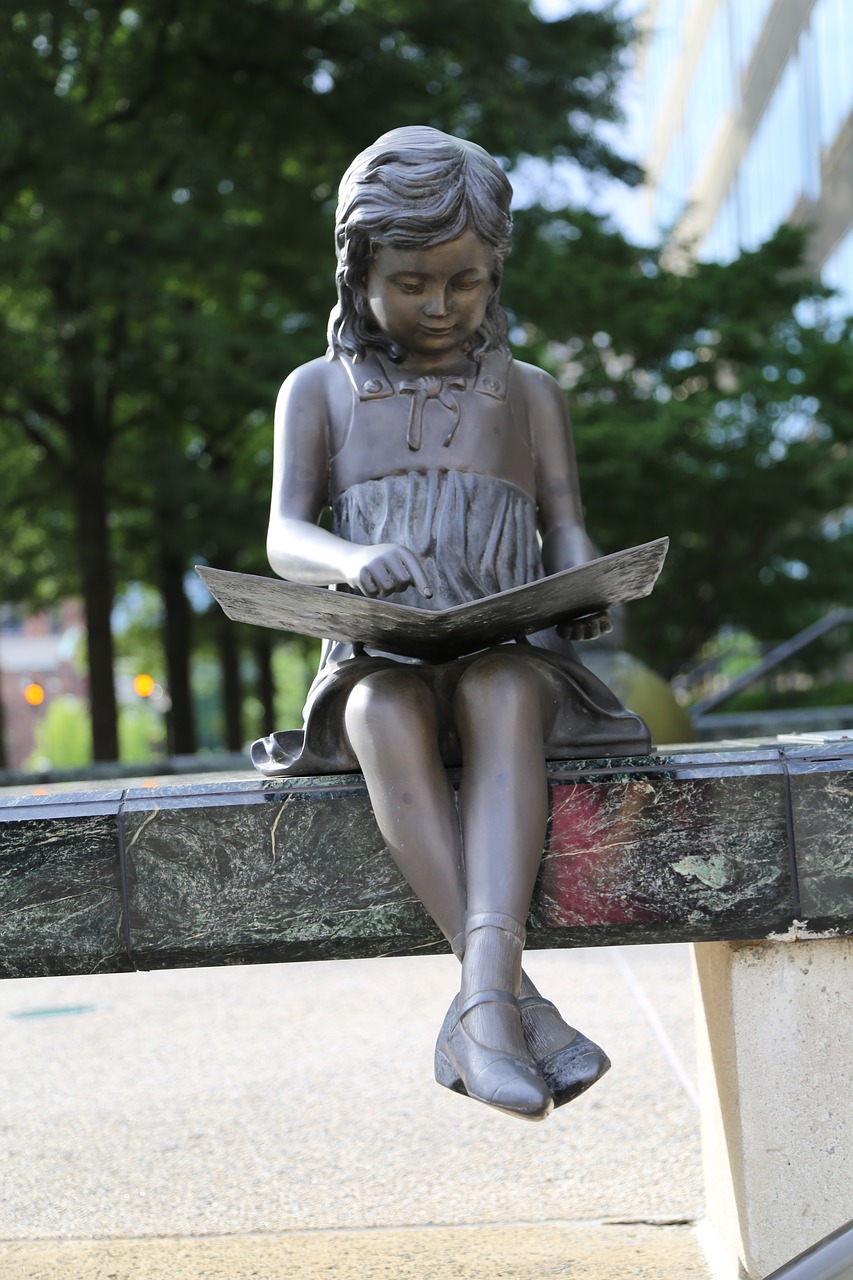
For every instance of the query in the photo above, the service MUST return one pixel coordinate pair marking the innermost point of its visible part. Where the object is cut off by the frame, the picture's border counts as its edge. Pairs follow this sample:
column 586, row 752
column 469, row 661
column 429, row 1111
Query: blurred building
column 748, row 125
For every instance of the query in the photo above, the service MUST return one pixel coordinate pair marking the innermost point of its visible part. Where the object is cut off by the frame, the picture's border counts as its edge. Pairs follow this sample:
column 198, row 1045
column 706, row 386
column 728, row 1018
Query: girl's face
column 431, row 301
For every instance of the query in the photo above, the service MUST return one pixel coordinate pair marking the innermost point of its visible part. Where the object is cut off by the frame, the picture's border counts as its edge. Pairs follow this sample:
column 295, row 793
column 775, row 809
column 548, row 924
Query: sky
column 626, row 208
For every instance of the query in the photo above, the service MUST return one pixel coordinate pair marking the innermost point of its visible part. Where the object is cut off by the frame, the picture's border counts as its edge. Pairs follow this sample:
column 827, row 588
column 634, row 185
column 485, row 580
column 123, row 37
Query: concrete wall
column 776, row 1091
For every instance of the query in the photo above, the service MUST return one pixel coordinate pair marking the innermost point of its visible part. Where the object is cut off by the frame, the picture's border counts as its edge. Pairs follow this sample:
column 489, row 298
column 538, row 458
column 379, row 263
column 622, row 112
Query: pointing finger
column 416, row 572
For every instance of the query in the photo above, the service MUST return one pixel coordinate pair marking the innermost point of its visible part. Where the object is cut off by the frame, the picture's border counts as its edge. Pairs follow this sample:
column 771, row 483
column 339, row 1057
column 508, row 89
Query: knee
column 497, row 681
column 386, row 704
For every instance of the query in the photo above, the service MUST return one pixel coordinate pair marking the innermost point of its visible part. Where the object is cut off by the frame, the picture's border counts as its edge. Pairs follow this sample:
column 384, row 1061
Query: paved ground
column 281, row 1121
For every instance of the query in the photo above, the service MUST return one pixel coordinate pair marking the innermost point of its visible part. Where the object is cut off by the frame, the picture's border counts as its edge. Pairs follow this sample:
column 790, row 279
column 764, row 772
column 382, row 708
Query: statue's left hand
column 590, row 628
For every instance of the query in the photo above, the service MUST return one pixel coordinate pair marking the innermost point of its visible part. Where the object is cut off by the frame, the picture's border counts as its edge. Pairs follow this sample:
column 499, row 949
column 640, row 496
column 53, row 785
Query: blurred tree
column 166, row 175
column 62, row 737
column 35, row 569
column 166, row 199
column 703, row 409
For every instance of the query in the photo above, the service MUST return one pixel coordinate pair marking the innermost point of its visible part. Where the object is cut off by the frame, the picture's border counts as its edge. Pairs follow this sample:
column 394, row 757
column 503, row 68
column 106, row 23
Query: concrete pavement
column 279, row 1121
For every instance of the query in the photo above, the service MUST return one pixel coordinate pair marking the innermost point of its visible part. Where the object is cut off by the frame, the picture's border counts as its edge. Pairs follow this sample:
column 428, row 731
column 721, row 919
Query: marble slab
column 689, row 845
column 61, row 886
column 271, row 875
column 666, row 856
column 822, row 817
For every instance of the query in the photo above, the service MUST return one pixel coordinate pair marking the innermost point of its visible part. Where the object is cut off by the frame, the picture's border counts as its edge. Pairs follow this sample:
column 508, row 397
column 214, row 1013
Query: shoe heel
column 446, row 1074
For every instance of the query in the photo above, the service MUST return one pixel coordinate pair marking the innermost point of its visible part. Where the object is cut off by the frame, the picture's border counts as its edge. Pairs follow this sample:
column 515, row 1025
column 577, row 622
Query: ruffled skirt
column 590, row 721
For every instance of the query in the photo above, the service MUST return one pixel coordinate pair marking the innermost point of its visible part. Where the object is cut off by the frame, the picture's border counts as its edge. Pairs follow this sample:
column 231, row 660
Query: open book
column 439, row 634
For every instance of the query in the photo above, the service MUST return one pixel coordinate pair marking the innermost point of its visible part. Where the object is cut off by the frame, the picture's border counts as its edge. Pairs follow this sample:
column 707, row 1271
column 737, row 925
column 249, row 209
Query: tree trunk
column 266, row 684
column 89, row 480
column 232, row 698
column 177, row 636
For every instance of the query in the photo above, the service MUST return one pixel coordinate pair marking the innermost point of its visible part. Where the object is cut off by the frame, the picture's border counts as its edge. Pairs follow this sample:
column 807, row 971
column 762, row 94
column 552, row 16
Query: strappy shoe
column 570, row 1069
column 502, row 1080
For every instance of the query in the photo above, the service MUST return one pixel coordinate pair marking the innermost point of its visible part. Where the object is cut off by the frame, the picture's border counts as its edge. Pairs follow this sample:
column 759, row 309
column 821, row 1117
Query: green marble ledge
column 698, row 844
column 60, row 885
column 822, row 810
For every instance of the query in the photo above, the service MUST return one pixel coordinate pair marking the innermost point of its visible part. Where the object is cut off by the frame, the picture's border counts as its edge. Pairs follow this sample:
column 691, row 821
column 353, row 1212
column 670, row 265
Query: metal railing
column 771, row 660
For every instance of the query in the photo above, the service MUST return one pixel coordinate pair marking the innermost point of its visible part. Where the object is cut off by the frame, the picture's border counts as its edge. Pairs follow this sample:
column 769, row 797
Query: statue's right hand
column 388, row 567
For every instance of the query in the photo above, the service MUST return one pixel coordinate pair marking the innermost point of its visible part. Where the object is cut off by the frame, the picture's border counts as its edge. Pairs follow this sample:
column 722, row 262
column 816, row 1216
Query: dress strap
column 493, row 374
column 368, row 377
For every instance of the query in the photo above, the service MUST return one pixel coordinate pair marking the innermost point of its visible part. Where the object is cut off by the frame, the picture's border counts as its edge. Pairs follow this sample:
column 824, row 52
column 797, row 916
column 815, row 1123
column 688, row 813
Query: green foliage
column 141, row 733
column 207, row 701
column 166, row 206
column 294, row 666
column 63, row 737
column 770, row 697
column 36, row 567
column 705, row 410
column 137, row 623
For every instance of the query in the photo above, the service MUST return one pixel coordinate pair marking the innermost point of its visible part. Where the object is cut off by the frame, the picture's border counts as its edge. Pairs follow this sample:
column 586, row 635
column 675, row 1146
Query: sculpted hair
column 414, row 188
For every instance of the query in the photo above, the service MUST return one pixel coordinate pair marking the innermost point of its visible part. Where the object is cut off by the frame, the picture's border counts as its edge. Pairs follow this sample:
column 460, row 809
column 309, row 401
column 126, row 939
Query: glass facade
column 722, row 243
column 748, row 19
column 832, row 29
column 713, row 94
column 663, row 50
column 805, row 110
column 772, row 175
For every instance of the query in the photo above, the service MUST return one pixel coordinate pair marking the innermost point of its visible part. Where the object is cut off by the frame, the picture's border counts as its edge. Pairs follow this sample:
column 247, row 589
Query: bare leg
column 392, row 723
column 504, row 711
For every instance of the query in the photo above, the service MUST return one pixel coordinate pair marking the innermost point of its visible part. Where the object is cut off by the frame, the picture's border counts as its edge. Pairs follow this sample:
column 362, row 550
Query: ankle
column 492, row 959
column 495, row 920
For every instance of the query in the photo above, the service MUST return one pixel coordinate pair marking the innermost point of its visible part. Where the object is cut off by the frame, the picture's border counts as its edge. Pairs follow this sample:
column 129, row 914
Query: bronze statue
column 450, row 474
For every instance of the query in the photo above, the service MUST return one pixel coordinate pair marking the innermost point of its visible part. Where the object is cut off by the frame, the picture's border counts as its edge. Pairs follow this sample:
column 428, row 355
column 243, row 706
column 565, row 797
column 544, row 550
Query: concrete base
column 775, row 1067
column 616, row 1251
column 281, row 1122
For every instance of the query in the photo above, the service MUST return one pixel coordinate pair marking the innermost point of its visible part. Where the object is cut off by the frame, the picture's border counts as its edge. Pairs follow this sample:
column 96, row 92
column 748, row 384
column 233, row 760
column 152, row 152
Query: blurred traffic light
column 34, row 694
column 143, row 685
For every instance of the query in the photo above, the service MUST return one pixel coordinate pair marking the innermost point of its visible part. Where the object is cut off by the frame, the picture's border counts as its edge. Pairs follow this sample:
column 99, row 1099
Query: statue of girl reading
column 450, row 475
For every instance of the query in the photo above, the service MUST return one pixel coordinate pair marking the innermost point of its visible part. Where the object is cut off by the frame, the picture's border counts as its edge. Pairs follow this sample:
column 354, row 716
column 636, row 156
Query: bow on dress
column 431, row 387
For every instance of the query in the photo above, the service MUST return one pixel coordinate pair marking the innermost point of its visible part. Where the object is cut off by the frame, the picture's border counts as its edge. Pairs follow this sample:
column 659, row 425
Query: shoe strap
column 495, row 920
column 485, row 997
column 527, row 1002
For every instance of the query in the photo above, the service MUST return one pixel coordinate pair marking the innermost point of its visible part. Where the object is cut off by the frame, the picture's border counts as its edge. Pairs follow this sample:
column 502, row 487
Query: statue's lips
column 437, row 333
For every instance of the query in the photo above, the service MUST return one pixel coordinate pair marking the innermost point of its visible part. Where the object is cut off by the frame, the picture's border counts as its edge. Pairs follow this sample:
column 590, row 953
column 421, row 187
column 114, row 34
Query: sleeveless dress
column 475, row 532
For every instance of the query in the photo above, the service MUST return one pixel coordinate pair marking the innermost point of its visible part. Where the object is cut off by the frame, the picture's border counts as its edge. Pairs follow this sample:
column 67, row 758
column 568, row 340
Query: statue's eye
column 409, row 286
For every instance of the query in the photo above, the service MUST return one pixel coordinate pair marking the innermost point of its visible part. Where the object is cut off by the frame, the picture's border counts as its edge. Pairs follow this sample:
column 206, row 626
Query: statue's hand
column 590, row 628
column 388, row 567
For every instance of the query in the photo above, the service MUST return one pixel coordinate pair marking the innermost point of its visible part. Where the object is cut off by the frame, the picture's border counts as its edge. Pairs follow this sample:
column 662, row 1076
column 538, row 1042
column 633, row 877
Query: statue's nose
column 436, row 304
